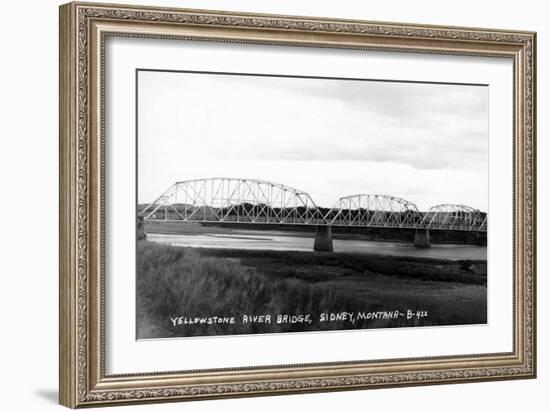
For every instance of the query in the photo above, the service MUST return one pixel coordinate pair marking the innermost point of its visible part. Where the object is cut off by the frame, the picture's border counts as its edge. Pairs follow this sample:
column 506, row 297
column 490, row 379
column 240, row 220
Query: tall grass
column 179, row 282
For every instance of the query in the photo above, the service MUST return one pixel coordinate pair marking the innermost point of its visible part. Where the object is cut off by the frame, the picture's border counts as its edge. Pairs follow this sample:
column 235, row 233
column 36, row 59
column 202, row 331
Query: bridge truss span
column 374, row 210
column 456, row 217
column 234, row 200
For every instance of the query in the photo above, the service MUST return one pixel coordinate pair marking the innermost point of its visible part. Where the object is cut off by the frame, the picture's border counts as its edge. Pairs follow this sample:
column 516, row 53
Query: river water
column 283, row 241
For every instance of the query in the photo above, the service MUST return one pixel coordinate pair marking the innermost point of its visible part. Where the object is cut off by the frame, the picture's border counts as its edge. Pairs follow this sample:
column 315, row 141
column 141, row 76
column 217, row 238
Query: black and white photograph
column 274, row 203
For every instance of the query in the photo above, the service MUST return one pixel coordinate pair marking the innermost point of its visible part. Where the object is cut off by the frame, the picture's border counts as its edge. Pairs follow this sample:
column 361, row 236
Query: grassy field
column 183, row 283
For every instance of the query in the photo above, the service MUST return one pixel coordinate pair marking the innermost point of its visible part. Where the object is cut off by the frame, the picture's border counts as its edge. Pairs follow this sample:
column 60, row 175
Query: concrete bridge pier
column 140, row 229
column 323, row 238
column 422, row 238
column 481, row 237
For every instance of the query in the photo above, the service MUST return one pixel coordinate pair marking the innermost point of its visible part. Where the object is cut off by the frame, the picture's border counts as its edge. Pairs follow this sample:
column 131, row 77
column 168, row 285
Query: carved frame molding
column 83, row 30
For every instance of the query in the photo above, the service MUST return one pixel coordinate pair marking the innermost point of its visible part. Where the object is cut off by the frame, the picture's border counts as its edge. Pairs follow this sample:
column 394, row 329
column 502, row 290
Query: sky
column 427, row 143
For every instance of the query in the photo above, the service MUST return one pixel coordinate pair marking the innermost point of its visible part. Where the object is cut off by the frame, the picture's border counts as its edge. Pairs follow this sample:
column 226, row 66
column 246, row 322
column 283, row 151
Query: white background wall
column 28, row 206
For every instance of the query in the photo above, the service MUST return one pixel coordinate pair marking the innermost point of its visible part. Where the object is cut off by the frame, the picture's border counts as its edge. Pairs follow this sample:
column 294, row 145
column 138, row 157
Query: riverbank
column 341, row 233
column 176, row 285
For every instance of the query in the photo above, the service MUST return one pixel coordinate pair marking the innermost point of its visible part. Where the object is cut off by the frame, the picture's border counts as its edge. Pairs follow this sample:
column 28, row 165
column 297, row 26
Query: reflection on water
column 281, row 242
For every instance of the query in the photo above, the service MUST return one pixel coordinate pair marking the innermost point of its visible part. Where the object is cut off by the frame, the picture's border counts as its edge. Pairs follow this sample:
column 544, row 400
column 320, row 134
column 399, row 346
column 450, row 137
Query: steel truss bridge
column 235, row 200
column 232, row 200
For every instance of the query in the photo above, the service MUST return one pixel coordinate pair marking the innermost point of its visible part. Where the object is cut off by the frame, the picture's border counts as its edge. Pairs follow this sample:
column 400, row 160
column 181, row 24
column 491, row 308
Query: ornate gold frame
column 83, row 29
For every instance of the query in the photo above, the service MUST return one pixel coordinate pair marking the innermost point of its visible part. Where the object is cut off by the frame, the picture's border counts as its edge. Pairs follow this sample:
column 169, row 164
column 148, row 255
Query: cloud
column 191, row 123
